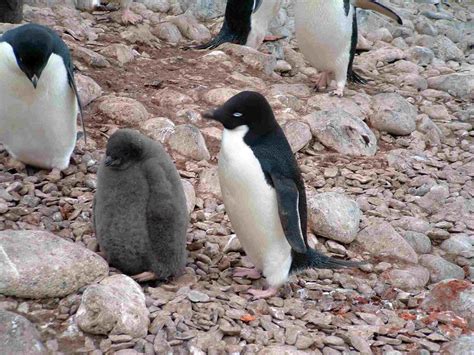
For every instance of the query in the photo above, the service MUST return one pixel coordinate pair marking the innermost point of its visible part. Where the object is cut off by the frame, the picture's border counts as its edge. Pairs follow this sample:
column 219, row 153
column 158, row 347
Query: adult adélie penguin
column 245, row 22
column 39, row 101
column 264, row 194
column 326, row 32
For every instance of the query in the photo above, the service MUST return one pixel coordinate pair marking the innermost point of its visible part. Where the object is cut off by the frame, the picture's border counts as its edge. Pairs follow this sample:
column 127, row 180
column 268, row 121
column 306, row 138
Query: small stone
column 18, row 335
column 197, row 296
column 217, row 97
column 123, row 109
column 393, row 114
column 410, row 278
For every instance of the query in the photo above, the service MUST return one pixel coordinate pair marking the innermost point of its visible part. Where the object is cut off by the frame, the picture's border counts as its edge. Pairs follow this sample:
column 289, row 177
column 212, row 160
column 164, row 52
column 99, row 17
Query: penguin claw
column 261, row 294
column 144, row 277
column 253, row 274
column 337, row 92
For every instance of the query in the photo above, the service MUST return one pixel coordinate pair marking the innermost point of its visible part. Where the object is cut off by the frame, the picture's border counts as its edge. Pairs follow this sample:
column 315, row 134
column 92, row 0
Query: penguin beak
column 109, row 161
column 210, row 115
column 34, row 80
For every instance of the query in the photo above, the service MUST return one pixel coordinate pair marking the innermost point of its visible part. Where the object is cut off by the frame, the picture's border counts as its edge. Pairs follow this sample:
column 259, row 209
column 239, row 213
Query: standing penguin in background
column 326, row 32
column 140, row 212
column 264, row 193
column 245, row 22
column 39, row 102
column 11, row 11
column 128, row 17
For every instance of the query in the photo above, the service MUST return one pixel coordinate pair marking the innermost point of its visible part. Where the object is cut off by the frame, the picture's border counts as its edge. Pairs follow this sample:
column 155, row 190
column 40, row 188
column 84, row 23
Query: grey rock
column 123, row 109
column 156, row 5
column 412, row 224
column 440, row 268
column 380, row 238
column 334, row 216
column 168, row 32
column 188, row 141
column 190, row 27
column 281, row 350
column 158, row 128
column 393, row 114
column 38, row 264
column 87, row 88
column 298, row 134
column 190, row 195
column 209, row 183
column 119, row 52
column 219, row 96
column 203, row 9
column 457, row 244
column 462, row 345
column 442, row 47
column 410, row 278
column 419, row 241
column 434, row 135
column 434, row 199
column 460, row 85
column 19, row 336
column 116, row 305
column 420, row 55
column 251, row 57
column 343, row 132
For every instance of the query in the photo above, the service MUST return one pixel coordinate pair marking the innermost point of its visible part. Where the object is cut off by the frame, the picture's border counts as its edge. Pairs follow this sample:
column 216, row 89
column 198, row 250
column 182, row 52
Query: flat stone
column 343, row 132
column 380, row 238
column 393, row 114
column 458, row 84
column 38, row 264
column 410, row 278
column 440, row 268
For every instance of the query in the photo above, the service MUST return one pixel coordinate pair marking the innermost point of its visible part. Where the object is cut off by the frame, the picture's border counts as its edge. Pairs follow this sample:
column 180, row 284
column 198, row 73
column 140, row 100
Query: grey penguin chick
column 326, row 32
column 39, row 101
column 264, row 194
column 140, row 213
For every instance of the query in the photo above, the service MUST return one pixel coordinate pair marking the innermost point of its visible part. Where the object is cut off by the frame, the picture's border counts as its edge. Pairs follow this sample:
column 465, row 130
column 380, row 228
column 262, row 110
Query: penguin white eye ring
column 237, row 114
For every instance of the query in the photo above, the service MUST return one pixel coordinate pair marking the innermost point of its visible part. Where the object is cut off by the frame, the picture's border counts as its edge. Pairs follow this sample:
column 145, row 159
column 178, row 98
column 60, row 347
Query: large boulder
column 343, row 132
column 38, row 264
column 115, row 306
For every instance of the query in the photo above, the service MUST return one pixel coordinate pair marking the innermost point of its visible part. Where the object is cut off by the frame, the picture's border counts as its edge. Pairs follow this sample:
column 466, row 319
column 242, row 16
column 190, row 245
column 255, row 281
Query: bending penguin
column 140, row 212
column 245, row 22
column 264, row 194
column 326, row 32
column 39, row 102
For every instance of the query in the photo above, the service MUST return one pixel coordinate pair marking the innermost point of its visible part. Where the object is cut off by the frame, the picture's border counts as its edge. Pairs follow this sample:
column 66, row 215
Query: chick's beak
column 108, row 160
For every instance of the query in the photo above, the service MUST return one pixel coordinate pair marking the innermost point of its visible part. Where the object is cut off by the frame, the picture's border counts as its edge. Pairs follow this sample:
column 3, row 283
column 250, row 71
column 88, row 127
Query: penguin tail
column 316, row 259
column 353, row 77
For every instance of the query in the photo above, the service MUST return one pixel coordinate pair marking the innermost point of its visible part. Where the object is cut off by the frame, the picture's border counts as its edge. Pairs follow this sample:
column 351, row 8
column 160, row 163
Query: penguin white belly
column 252, row 207
column 260, row 20
column 37, row 126
column 323, row 32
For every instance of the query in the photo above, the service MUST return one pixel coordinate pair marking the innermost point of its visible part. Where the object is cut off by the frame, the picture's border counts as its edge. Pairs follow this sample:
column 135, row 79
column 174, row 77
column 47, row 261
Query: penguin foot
column 321, row 81
column 129, row 17
column 144, row 277
column 338, row 92
column 271, row 38
column 31, row 170
column 260, row 294
column 252, row 274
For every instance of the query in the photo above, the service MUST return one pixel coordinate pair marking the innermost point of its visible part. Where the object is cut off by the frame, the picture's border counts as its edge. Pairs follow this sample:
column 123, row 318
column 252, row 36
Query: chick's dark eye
column 237, row 114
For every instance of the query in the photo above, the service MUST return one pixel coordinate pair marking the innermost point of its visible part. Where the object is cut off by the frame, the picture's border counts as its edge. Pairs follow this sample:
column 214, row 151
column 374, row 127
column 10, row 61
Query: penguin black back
column 237, row 23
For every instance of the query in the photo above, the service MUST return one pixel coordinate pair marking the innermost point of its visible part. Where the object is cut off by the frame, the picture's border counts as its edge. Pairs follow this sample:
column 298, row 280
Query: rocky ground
column 388, row 168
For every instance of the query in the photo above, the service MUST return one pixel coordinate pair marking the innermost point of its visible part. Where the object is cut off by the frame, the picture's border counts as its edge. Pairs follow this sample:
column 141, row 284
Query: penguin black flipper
column 287, row 198
column 375, row 6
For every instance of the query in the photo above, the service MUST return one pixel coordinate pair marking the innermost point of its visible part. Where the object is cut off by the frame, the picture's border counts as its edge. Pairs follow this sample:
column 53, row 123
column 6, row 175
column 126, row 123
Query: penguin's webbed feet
column 144, row 277
column 252, row 274
column 261, row 294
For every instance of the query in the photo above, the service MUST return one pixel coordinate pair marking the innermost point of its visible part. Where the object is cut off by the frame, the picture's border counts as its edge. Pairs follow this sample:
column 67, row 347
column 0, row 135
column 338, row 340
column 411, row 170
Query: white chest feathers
column 251, row 205
column 37, row 126
column 323, row 32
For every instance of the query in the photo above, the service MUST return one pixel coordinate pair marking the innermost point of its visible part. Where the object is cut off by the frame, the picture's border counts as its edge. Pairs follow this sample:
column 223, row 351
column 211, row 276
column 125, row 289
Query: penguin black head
column 248, row 108
column 125, row 147
column 32, row 45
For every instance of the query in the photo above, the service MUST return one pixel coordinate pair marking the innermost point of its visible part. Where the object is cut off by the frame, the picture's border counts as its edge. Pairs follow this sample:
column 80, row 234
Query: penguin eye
column 237, row 114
